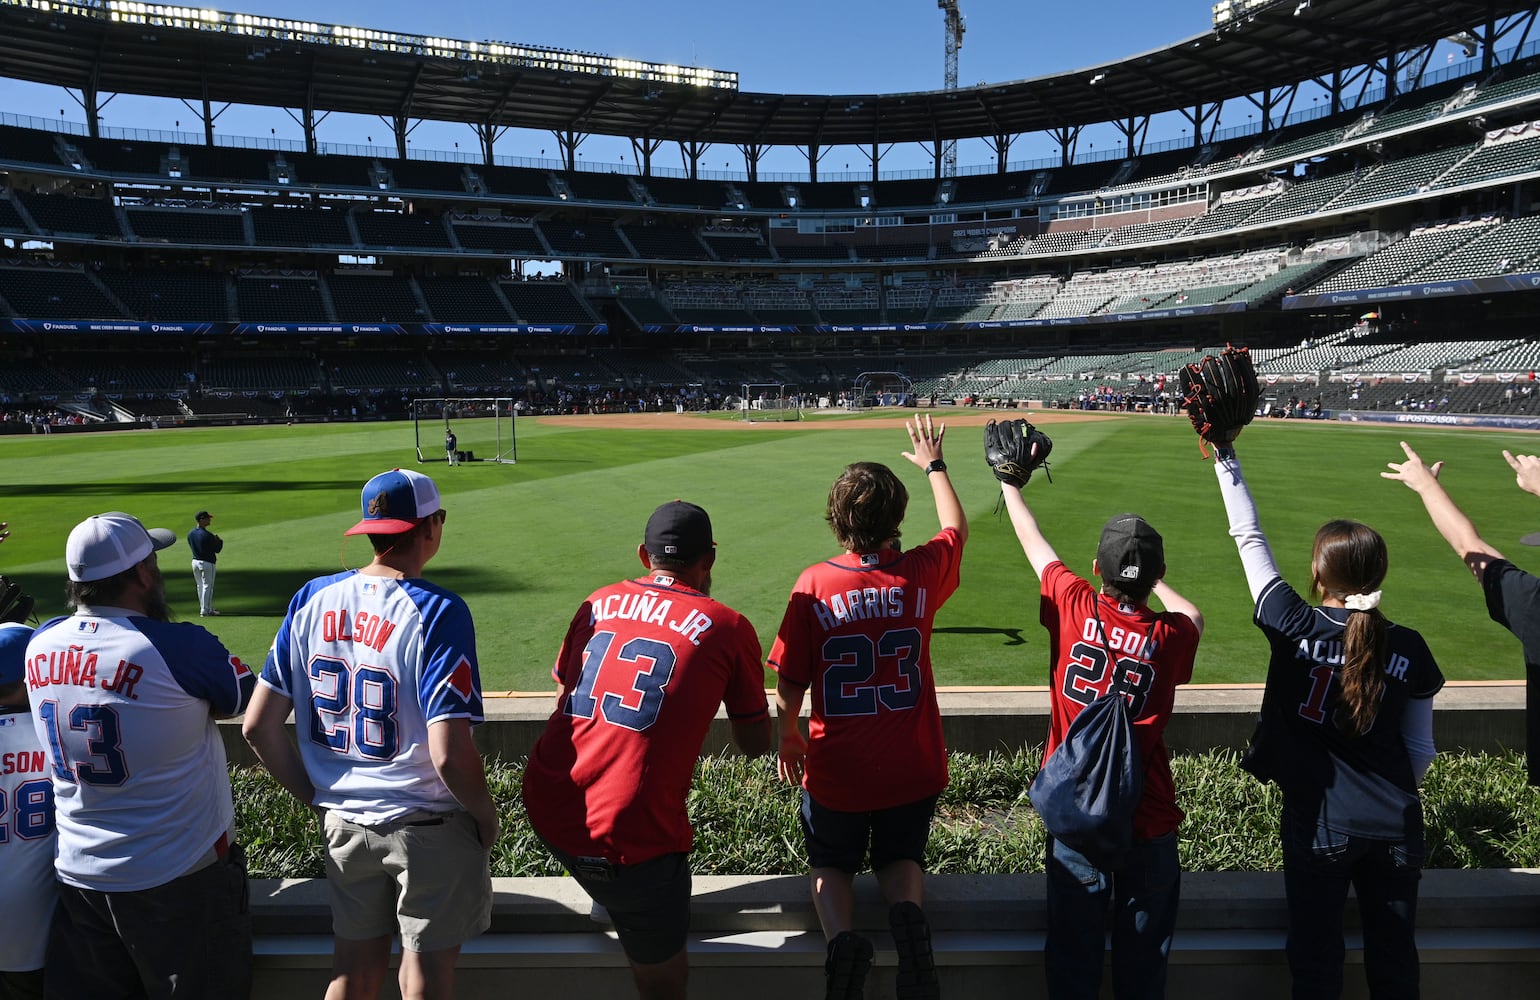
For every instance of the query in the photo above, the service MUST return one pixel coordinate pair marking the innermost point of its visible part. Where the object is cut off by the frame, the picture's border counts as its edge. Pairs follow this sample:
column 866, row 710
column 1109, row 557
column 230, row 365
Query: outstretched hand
column 1526, row 469
column 925, row 439
column 1416, row 473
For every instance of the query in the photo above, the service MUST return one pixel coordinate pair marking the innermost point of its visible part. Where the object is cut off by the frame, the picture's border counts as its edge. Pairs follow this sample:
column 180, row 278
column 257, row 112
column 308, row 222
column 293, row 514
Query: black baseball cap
column 201, row 515
column 1130, row 554
column 679, row 530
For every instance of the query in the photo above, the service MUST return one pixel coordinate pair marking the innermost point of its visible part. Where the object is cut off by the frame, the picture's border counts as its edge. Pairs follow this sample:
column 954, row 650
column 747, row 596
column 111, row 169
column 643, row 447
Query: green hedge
column 1481, row 813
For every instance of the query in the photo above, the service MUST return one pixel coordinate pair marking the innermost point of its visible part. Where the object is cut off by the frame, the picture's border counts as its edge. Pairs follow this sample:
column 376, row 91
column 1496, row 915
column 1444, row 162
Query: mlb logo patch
column 662, row 581
column 7, row 721
column 371, row 589
column 88, row 628
column 870, row 559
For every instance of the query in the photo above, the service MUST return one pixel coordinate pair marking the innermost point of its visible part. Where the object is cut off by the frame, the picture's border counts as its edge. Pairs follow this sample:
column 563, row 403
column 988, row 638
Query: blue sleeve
column 201, row 665
column 449, row 684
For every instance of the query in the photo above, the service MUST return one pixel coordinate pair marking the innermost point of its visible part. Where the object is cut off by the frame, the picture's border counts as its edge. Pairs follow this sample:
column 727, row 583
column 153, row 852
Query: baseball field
column 525, row 543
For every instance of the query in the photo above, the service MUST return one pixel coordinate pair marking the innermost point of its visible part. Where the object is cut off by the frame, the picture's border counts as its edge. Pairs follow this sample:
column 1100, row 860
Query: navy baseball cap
column 1131, row 553
column 202, row 514
column 394, row 502
column 13, row 652
column 107, row 544
column 679, row 530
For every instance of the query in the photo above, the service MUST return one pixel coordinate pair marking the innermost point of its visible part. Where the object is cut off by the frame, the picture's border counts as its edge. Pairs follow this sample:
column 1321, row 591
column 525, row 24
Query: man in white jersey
column 380, row 668
column 27, row 888
column 152, row 888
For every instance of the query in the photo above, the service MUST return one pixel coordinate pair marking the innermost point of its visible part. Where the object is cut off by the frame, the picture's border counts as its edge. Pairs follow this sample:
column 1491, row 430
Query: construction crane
column 955, row 26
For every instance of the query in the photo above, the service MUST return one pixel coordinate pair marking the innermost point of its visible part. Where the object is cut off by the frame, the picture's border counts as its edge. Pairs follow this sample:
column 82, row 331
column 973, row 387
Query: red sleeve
column 791, row 654
column 745, row 695
column 575, row 638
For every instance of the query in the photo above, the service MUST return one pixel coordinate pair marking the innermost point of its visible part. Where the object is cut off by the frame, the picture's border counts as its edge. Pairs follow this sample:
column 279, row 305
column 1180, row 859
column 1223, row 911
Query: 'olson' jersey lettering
column 857, row 632
column 642, row 670
column 1156, row 650
column 369, row 663
column 27, row 886
column 125, row 707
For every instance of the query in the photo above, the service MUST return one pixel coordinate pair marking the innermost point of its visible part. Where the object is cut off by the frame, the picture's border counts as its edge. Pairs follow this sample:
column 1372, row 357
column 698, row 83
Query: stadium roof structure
column 110, row 46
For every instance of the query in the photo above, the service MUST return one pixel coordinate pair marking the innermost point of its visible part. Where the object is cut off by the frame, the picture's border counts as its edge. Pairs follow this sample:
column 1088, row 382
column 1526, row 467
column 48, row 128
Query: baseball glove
column 15, row 603
column 1220, row 396
column 1015, row 449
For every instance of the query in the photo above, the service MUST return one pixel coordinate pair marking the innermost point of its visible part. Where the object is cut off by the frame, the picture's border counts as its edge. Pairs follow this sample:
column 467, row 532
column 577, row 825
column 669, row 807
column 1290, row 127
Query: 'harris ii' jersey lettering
column 642, row 670
column 125, row 707
column 857, row 632
column 369, row 663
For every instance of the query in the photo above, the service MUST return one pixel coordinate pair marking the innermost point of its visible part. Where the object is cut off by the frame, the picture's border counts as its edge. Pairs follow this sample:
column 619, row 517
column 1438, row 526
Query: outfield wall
column 1507, row 423
column 1476, row 716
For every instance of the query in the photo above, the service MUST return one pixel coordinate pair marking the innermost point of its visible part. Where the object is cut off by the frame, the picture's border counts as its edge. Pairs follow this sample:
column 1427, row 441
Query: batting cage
column 482, row 428
column 873, row 389
column 770, row 401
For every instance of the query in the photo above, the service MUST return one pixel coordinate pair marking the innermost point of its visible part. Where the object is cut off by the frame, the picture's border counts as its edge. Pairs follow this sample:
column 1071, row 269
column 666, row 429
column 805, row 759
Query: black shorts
column 840, row 839
column 191, row 936
column 649, row 903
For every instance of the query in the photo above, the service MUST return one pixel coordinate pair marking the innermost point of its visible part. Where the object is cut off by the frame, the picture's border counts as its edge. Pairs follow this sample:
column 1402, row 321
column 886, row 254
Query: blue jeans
column 1318, row 866
column 1143, row 894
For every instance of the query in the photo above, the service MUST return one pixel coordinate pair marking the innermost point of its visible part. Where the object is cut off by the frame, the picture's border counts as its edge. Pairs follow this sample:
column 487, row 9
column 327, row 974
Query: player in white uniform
column 27, row 890
column 152, row 889
column 380, row 667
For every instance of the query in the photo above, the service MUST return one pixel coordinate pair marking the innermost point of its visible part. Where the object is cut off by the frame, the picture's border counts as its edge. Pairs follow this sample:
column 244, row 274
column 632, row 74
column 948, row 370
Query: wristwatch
column 936, row 466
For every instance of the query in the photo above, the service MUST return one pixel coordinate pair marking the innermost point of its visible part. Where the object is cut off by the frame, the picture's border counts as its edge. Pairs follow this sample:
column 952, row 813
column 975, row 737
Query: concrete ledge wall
column 1469, row 715
column 758, row 938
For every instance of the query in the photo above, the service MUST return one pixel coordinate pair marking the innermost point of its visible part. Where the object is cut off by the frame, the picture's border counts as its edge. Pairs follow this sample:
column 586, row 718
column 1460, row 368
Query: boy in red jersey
column 857, row 631
column 644, row 666
column 1087, row 627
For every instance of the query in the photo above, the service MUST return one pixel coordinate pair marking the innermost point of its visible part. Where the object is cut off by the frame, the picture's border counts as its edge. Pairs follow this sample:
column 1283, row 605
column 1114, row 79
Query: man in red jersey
column 1093, row 632
column 644, row 666
column 857, row 631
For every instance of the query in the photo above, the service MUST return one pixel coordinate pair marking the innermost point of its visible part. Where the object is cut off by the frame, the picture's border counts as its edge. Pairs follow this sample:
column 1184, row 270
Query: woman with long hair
column 1347, row 733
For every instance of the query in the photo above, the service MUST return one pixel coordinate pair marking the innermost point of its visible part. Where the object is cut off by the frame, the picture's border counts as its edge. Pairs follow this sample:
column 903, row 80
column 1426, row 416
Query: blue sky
column 794, row 46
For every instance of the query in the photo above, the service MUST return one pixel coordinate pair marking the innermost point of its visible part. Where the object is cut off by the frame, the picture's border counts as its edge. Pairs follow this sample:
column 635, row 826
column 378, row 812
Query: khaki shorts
column 425, row 873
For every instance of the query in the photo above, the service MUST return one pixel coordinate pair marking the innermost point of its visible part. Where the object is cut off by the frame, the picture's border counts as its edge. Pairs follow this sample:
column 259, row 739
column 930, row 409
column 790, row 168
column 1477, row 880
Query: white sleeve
column 1417, row 735
column 1256, row 556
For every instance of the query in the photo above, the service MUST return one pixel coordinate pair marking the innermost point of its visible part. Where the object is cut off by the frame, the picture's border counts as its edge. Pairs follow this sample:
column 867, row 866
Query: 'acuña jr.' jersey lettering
column 125, row 707
column 1368, row 783
column 642, row 670
column 370, row 662
column 857, row 633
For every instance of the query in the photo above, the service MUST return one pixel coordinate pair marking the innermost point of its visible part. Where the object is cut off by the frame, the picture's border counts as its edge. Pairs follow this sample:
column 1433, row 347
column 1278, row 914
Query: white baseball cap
column 107, row 544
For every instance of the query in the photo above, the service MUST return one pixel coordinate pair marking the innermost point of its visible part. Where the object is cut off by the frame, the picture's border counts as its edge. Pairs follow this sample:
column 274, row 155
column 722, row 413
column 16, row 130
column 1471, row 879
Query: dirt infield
column 966, row 417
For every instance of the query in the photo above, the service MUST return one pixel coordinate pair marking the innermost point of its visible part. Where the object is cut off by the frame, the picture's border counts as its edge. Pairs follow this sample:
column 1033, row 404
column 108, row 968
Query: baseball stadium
column 253, row 327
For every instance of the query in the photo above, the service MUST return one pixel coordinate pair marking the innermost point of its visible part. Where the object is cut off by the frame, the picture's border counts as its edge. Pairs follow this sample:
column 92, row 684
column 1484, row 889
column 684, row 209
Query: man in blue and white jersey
column 27, row 885
column 380, row 668
column 152, row 888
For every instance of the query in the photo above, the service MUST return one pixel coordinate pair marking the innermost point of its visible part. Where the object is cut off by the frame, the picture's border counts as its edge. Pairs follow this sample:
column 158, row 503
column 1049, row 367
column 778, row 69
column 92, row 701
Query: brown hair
column 866, row 506
column 1350, row 558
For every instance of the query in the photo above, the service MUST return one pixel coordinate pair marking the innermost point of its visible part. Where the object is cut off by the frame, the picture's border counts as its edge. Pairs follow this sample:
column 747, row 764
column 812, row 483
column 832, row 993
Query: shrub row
column 1480, row 812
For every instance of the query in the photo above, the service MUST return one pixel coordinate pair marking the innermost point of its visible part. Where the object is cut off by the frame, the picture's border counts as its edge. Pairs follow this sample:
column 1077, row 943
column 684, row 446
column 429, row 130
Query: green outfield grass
column 526, row 543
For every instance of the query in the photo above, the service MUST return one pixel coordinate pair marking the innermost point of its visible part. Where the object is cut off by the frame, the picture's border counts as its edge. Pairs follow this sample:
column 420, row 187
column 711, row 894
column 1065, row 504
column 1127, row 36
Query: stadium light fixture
column 317, row 33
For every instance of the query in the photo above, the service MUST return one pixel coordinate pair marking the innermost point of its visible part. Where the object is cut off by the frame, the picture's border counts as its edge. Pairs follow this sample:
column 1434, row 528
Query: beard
column 155, row 605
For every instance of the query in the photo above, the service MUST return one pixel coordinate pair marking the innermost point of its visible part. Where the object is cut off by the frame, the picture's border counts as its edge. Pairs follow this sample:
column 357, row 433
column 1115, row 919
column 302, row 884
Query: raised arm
column 925, row 439
column 1039, row 553
column 1449, row 519
column 1256, row 556
column 1179, row 604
